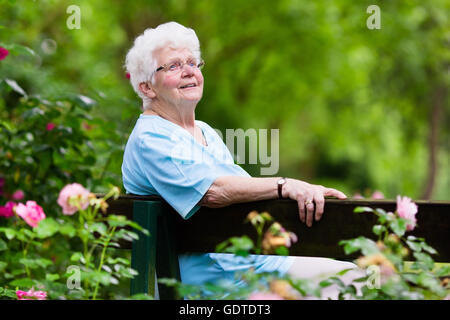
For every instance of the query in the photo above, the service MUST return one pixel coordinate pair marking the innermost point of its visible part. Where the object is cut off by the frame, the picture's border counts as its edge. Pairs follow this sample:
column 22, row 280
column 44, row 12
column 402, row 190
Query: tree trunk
column 438, row 100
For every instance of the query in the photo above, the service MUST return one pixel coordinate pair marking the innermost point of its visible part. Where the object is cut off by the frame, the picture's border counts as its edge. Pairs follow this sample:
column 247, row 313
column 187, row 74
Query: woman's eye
column 174, row 66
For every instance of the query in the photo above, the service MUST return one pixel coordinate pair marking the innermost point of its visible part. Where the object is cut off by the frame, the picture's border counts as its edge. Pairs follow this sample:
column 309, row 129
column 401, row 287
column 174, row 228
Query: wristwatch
column 280, row 183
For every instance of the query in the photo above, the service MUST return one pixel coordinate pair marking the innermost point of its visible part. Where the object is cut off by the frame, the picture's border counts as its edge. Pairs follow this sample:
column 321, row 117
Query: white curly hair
column 140, row 62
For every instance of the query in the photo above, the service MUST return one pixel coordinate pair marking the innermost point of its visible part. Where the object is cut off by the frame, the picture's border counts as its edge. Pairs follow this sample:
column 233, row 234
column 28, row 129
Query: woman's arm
column 234, row 189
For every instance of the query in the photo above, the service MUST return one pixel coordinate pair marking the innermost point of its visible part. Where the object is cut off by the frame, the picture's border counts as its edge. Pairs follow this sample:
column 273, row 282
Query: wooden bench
column 171, row 235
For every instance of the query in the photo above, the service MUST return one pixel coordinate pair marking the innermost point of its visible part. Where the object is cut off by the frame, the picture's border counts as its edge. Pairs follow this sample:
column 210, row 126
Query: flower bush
column 397, row 266
column 46, row 143
column 27, row 260
column 403, row 264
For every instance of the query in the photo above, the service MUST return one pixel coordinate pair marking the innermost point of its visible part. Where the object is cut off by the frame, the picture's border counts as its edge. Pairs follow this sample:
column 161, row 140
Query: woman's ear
column 147, row 90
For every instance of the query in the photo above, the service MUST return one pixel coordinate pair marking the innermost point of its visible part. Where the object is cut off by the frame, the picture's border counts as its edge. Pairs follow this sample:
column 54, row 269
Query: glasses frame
column 164, row 66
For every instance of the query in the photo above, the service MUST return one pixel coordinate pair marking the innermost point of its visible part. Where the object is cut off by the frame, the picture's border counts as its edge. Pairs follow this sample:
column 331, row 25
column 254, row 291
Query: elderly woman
column 171, row 154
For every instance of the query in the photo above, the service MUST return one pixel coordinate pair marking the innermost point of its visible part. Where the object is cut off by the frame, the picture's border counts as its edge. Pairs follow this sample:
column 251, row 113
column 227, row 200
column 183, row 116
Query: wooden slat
column 208, row 227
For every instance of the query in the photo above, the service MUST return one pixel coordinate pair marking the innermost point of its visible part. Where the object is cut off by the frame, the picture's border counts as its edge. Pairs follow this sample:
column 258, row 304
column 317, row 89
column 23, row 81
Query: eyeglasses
column 177, row 65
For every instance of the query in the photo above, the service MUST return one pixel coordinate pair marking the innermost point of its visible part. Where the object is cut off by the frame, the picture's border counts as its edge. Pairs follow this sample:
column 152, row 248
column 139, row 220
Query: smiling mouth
column 191, row 85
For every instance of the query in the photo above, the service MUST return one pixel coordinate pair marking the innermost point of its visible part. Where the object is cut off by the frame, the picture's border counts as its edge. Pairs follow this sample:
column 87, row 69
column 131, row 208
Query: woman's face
column 174, row 87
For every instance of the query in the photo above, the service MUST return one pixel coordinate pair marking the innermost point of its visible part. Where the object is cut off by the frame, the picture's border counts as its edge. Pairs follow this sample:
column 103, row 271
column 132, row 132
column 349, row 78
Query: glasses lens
column 174, row 66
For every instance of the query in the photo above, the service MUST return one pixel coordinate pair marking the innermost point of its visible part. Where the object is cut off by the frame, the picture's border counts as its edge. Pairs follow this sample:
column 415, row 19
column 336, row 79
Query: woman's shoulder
column 204, row 125
column 150, row 128
column 147, row 124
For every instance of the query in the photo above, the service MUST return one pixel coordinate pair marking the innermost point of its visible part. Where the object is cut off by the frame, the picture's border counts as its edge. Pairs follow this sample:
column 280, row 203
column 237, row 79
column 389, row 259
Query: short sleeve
column 179, row 169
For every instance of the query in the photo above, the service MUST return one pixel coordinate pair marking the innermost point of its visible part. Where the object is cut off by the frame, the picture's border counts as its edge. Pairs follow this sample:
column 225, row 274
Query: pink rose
column 377, row 195
column 8, row 210
column 70, row 196
column 18, row 195
column 32, row 213
column 50, row 126
column 31, row 295
column 3, row 53
column 407, row 209
column 264, row 296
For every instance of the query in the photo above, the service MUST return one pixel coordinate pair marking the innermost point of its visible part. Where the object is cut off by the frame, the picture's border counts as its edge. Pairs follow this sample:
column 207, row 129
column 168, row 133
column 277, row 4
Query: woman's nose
column 187, row 70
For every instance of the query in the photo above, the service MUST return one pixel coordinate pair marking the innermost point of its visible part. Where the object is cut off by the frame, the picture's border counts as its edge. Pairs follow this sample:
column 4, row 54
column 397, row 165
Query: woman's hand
column 309, row 197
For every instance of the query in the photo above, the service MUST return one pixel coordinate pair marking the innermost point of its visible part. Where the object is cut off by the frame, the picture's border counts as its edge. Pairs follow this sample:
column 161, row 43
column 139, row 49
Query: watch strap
column 280, row 187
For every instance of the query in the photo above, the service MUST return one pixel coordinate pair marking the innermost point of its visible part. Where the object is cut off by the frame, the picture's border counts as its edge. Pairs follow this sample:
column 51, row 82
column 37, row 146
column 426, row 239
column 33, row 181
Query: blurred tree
column 357, row 109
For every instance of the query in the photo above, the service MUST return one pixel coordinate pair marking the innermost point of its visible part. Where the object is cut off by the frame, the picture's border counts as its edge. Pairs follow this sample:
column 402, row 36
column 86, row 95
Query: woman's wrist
column 281, row 182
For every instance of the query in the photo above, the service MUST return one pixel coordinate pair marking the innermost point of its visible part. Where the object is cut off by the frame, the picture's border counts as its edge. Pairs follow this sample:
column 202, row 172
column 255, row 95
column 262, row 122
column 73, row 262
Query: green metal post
column 143, row 256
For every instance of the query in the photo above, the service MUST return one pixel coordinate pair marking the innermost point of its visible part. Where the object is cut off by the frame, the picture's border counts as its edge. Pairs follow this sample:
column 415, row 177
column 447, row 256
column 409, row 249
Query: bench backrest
column 208, row 227
column 172, row 235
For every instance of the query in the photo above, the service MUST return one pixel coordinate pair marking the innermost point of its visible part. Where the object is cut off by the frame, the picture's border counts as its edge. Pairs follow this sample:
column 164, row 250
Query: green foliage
column 384, row 261
column 45, row 143
column 28, row 258
column 353, row 105
column 354, row 108
column 390, row 254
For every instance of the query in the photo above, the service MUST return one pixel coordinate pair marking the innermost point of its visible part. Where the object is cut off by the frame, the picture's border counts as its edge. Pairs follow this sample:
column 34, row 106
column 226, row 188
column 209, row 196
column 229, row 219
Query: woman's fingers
column 319, row 201
column 301, row 207
column 330, row 192
column 311, row 203
column 309, row 212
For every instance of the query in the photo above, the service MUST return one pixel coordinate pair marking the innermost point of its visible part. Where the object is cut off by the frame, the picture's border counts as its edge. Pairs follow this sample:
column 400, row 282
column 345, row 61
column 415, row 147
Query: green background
column 356, row 108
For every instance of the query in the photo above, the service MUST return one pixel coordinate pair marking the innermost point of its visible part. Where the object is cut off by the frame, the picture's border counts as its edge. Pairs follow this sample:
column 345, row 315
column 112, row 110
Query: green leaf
column 15, row 87
column 282, row 251
column 3, row 266
column 424, row 260
column 428, row 249
column 67, row 229
column 414, row 246
column 378, row 229
column 17, row 49
column 9, row 233
column 367, row 246
column 398, row 225
column 36, row 263
column 443, row 271
column 22, row 283
column 362, row 209
column 243, row 243
column 141, row 296
column 221, row 246
column 4, row 292
column 51, row 277
column 46, row 228
column 427, row 280
column 3, row 245
column 413, row 238
column 75, row 257
column 411, row 277
column 33, row 113
column 380, row 211
column 99, row 227
column 80, row 100
column 237, row 245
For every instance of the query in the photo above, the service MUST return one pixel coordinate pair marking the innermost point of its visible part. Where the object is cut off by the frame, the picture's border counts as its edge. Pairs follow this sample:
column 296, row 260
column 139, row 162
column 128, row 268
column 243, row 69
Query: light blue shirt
column 161, row 158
